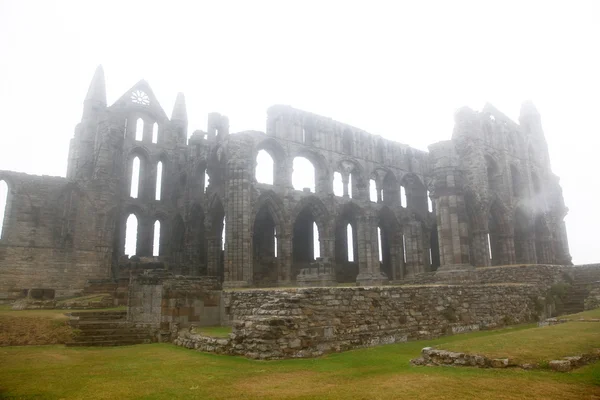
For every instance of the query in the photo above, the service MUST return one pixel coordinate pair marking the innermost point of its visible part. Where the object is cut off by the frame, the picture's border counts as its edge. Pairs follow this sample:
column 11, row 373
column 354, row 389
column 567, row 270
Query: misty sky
column 397, row 70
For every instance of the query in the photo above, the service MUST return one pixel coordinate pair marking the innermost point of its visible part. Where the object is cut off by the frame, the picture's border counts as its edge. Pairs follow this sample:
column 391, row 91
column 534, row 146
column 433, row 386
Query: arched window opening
column 303, row 135
column 135, row 177
column 402, row 196
column 379, row 246
column 275, row 241
column 373, row 190
column 155, row 133
column 156, row 241
column 131, row 233
column 429, row 202
column 3, row 202
column 223, row 234
column 489, row 243
column 316, row 242
column 139, row 130
column 206, row 180
column 350, row 241
column 338, row 184
column 350, row 185
column 404, row 249
column 264, row 248
column 264, row 167
column 159, row 172
column 303, row 175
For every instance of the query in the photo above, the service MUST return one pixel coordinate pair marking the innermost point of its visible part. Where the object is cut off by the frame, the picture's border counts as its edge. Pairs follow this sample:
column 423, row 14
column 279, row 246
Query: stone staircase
column 106, row 328
column 574, row 301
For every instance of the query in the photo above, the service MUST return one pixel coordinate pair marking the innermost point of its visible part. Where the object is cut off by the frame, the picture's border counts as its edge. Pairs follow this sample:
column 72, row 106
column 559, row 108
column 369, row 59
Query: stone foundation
column 309, row 322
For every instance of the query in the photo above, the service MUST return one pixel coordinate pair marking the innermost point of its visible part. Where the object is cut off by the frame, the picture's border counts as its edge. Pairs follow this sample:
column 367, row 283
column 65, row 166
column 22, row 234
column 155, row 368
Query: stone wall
column 310, row 322
column 164, row 301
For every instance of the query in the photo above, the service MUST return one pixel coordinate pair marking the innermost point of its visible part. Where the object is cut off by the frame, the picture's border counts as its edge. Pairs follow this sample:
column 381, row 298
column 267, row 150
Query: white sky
column 398, row 69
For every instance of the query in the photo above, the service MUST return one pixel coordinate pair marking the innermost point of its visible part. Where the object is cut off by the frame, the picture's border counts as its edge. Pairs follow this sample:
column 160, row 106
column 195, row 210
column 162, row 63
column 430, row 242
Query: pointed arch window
column 403, row 196
column 159, row 173
column 316, row 241
column 131, row 233
column 264, row 167
column 155, row 133
column 303, row 175
column 135, row 177
column 156, row 241
column 338, row 184
column 350, row 241
column 373, row 190
column 429, row 202
column 139, row 130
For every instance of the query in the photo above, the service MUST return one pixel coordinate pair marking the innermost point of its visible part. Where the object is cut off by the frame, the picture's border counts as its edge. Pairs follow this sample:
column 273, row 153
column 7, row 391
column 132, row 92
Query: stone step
column 108, row 324
column 109, row 332
column 127, row 342
column 116, row 337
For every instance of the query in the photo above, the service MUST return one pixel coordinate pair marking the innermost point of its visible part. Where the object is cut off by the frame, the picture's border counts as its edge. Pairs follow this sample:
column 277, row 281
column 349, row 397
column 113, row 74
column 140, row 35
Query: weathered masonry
column 376, row 211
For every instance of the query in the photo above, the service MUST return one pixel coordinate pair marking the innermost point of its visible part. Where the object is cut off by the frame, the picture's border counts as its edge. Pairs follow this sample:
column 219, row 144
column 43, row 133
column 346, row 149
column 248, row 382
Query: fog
column 399, row 71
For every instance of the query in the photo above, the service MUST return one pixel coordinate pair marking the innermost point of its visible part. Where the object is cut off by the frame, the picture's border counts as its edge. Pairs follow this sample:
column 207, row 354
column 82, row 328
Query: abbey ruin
column 485, row 197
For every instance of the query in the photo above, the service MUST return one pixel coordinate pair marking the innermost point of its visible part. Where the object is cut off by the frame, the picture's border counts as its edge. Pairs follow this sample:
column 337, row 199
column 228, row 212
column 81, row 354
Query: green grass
column 591, row 314
column 34, row 327
column 163, row 371
column 535, row 345
column 214, row 331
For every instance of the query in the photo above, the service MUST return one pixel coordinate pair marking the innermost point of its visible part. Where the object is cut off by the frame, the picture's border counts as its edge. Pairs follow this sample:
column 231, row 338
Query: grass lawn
column 214, row 331
column 29, row 327
column 164, row 371
column 535, row 345
column 591, row 314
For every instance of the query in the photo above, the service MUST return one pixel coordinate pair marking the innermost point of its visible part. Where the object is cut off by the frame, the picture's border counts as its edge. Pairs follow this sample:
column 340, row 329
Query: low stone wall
column 593, row 299
column 309, row 322
column 539, row 274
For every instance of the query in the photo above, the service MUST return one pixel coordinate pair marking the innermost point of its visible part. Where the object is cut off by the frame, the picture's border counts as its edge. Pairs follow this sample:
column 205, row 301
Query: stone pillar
column 413, row 239
column 345, row 181
column 451, row 213
column 144, row 237
column 480, row 249
column 213, row 250
column 238, row 256
column 369, row 269
column 285, row 244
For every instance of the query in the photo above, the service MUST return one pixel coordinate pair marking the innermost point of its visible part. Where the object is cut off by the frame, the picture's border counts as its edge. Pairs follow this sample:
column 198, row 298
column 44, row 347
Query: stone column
column 369, row 269
column 451, row 213
column 238, row 256
column 413, row 239
column 345, row 181
column 480, row 249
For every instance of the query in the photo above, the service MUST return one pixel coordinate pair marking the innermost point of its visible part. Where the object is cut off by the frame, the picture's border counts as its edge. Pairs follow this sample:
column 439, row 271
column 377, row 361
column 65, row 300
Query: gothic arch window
column 373, row 190
column 155, row 133
column 338, row 184
column 139, row 130
column 159, row 176
column 3, row 203
column 135, row 177
column 303, row 175
column 402, row 196
column 156, row 239
column 350, row 185
column 350, row 242
column 131, row 233
column 264, row 167
column 429, row 202
column 316, row 242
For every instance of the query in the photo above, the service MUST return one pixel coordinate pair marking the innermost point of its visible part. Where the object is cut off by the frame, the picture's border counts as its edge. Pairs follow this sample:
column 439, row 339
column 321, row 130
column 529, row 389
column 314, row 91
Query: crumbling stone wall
column 313, row 321
column 163, row 301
